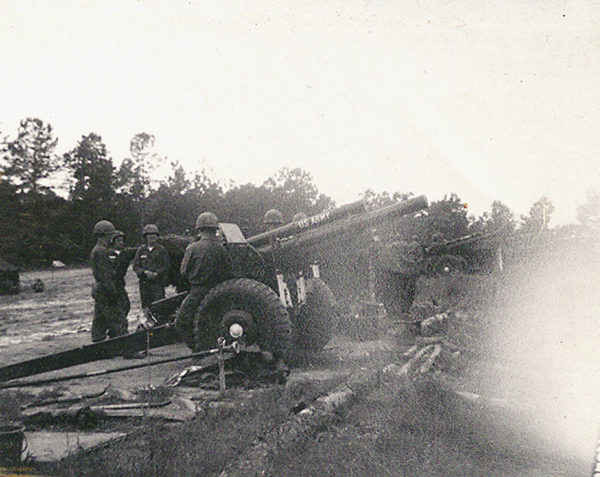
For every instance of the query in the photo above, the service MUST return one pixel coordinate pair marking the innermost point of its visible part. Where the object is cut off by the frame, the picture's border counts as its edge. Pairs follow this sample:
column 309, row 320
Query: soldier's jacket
column 400, row 256
column 155, row 260
column 104, row 270
column 205, row 263
column 122, row 260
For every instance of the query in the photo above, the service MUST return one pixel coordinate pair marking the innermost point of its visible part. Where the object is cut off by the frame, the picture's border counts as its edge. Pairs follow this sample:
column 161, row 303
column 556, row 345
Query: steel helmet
column 207, row 220
column 273, row 217
column 299, row 216
column 104, row 227
column 149, row 229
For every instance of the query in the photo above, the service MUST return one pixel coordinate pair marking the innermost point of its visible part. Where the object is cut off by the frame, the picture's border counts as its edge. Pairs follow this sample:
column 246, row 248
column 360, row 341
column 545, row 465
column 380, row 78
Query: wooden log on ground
column 257, row 461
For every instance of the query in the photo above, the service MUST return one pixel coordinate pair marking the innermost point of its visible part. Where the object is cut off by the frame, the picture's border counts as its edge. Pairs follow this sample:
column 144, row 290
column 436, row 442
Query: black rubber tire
column 271, row 327
column 316, row 320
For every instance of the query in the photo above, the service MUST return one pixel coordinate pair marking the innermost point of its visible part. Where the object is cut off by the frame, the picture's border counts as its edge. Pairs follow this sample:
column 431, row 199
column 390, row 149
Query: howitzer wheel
column 316, row 320
column 252, row 305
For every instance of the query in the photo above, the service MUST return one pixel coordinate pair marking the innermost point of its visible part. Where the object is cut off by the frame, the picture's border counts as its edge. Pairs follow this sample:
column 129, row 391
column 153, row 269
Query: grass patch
column 202, row 446
column 426, row 432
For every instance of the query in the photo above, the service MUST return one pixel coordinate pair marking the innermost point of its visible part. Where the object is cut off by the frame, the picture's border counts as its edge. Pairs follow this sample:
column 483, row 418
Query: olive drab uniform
column 109, row 320
column 205, row 265
column 151, row 265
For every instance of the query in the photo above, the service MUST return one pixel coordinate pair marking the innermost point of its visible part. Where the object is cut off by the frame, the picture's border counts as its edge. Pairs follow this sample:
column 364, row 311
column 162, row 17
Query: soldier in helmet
column 204, row 265
column 108, row 318
column 399, row 265
column 273, row 219
column 151, row 265
column 299, row 217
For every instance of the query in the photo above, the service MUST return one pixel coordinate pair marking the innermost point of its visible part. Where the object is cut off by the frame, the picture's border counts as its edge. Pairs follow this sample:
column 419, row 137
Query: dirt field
column 36, row 324
column 539, row 363
column 64, row 308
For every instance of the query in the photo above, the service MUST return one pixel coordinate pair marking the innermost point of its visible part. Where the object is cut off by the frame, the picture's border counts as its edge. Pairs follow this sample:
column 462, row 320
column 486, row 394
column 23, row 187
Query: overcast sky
column 491, row 100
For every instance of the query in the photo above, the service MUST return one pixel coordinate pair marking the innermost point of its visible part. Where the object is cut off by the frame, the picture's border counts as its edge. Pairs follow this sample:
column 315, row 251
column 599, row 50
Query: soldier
column 399, row 268
column 108, row 318
column 204, row 265
column 413, row 261
column 151, row 265
column 299, row 217
column 123, row 257
column 273, row 219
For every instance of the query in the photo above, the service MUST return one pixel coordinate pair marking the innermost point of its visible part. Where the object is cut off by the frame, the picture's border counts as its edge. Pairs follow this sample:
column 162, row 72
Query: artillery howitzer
column 276, row 297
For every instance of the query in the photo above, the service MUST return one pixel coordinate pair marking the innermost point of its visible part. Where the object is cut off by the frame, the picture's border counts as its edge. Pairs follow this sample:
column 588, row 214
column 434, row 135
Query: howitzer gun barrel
column 349, row 224
column 308, row 223
column 448, row 245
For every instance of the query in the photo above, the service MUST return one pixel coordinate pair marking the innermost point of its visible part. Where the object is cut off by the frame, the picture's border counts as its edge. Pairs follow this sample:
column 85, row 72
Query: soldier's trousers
column 184, row 320
column 397, row 292
column 109, row 320
column 123, row 302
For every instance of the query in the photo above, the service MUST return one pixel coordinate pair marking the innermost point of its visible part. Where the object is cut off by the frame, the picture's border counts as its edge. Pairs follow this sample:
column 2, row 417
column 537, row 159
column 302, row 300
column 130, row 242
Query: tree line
column 38, row 225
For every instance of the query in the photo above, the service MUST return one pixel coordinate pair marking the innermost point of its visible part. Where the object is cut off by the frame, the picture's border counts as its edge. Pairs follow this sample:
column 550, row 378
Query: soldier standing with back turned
column 204, row 265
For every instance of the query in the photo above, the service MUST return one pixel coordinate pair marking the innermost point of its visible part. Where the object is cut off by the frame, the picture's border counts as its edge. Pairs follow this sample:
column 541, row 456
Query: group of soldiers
column 204, row 265
column 110, row 260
